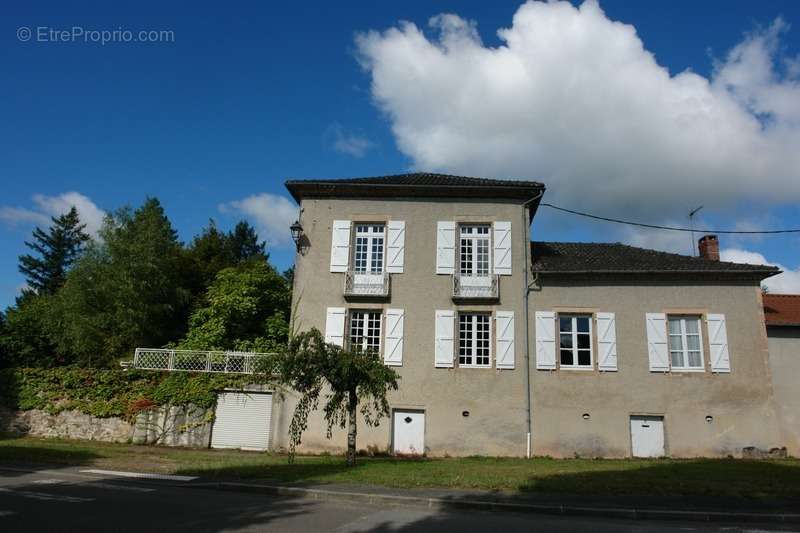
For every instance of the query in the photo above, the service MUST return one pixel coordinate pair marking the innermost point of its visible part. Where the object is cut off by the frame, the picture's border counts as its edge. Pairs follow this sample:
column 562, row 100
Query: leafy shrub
column 110, row 393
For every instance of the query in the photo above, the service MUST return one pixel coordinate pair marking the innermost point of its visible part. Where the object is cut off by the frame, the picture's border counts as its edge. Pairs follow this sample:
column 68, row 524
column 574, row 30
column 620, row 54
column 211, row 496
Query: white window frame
column 684, row 351
column 574, row 334
column 364, row 328
column 474, row 238
column 474, row 341
column 367, row 230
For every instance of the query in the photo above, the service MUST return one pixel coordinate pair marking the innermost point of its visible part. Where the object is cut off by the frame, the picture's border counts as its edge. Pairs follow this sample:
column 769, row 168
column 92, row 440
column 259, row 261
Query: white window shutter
column 657, row 342
column 334, row 326
column 445, row 247
column 545, row 340
column 393, row 350
column 718, row 343
column 340, row 245
column 504, row 335
column 445, row 324
column 607, row 342
column 396, row 246
column 502, row 248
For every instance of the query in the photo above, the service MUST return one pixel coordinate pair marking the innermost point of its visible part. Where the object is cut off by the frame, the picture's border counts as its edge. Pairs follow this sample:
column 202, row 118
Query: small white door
column 409, row 432
column 242, row 420
column 647, row 436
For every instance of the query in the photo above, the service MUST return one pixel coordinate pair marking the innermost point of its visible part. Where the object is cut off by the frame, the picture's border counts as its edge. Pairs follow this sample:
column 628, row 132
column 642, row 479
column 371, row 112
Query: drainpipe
column 526, row 223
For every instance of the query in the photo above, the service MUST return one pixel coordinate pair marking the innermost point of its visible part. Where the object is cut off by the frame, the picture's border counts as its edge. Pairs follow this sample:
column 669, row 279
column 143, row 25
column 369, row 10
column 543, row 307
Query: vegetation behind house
column 91, row 302
column 108, row 393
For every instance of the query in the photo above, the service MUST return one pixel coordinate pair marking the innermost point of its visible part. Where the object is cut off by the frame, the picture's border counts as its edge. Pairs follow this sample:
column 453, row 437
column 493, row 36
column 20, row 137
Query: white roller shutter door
column 243, row 420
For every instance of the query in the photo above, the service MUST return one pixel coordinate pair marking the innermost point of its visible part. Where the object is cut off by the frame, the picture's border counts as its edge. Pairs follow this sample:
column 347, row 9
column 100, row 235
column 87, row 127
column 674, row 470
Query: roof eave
column 760, row 274
column 310, row 189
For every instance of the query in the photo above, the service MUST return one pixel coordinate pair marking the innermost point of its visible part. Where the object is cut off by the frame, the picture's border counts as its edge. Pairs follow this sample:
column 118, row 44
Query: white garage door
column 647, row 436
column 242, row 421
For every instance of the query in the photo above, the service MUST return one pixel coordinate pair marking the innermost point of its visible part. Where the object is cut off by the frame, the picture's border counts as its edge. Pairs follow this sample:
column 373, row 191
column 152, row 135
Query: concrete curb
column 497, row 505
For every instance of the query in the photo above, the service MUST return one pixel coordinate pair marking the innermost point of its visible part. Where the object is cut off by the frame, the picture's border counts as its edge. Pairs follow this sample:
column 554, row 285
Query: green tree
column 57, row 249
column 24, row 337
column 213, row 251
column 126, row 291
column 208, row 253
column 246, row 309
column 351, row 378
column 244, row 244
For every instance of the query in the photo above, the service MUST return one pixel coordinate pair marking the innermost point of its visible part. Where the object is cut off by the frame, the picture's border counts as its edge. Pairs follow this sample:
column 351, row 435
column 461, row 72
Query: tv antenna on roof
column 692, row 213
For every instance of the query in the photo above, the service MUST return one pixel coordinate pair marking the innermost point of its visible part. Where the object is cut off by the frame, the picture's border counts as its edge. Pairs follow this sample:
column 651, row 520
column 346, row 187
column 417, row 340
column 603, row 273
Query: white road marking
column 140, row 475
column 45, row 496
column 92, row 484
column 6, row 513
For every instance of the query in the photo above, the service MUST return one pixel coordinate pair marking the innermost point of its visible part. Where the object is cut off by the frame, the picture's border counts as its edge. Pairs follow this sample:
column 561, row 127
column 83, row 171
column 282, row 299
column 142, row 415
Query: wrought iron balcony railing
column 200, row 361
column 372, row 284
column 468, row 287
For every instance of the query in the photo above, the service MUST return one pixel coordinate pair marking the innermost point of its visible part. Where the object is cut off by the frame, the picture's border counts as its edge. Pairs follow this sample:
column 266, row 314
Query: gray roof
column 580, row 257
column 414, row 184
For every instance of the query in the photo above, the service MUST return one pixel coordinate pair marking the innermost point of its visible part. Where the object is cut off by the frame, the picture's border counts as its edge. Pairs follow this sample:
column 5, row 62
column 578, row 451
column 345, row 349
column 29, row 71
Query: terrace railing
column 200, row 361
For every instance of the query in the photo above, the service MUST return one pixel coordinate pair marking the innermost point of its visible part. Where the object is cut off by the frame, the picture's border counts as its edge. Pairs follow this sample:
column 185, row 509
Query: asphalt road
column 74, row 500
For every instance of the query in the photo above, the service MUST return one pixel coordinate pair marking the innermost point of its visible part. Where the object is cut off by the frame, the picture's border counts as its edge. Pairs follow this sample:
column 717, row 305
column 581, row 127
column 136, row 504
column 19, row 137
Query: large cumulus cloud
column 575, row 99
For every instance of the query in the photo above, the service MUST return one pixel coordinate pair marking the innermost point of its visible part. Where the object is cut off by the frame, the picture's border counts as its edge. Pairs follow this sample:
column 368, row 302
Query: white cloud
column 53, row 206
column 576, row 100
column 678, row 242
column 787, row 282
column 270, row 214
column 346, row 142
column 13, row 216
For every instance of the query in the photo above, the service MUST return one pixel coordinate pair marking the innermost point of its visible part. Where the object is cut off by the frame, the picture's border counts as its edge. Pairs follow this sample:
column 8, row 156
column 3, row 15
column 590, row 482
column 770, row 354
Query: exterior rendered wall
column 741, row 403
column 495, row 399
column 784, row 359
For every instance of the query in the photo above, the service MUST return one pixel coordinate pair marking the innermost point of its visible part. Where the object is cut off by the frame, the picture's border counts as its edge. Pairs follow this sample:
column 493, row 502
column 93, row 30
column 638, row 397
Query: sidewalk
column 630, row 507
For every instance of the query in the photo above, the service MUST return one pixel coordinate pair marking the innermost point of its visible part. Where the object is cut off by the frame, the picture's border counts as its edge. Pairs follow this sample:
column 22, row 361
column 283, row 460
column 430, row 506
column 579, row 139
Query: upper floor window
column 474, row 250
column 685, row 343
column 575, row 341
column 365, row 331
column 474, row 340
column 369, row 246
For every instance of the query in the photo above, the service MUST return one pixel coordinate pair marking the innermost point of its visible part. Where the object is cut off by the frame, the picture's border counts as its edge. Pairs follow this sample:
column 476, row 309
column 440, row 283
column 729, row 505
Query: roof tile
column 577, row 257
column 782, row 309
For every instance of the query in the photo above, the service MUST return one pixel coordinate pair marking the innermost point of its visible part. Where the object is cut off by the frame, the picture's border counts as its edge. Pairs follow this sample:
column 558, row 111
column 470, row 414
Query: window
column 368, row 251
column 575, row 341
column 474, row 250
column 474, row 340
column 365, row 331
column 685, row 343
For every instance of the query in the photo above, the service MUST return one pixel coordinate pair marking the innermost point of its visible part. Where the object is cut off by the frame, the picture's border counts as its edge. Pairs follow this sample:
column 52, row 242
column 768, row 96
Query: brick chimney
column 708, row 246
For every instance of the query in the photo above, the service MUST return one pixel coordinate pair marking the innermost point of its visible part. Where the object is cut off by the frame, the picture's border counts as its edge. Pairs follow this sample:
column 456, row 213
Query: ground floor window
column 474, row 340
column 575, row 341
column 365, row 331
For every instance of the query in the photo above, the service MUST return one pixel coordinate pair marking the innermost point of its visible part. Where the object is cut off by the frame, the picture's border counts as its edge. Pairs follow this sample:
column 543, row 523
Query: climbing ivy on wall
column 110, row 393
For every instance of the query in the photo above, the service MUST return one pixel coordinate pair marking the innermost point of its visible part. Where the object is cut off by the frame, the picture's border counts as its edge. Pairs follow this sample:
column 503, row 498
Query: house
column 782, row 318
column 511, row 347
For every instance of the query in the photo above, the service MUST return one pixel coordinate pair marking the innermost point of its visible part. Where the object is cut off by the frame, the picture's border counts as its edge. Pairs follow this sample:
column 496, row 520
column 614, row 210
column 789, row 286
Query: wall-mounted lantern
column 297, row 232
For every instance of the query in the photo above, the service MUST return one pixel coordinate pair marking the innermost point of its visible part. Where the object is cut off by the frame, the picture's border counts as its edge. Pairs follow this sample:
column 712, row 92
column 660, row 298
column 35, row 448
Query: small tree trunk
column 352, row 406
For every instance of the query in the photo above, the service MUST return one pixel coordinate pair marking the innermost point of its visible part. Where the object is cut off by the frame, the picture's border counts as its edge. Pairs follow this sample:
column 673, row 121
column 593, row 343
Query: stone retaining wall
column 170, row 426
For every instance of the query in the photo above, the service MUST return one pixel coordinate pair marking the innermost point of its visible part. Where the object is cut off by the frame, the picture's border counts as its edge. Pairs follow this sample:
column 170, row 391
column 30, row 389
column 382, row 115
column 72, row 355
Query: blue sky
column 247, row 95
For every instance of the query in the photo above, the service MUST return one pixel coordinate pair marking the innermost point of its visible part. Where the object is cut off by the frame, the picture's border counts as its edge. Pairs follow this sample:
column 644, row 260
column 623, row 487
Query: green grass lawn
column 762, row 480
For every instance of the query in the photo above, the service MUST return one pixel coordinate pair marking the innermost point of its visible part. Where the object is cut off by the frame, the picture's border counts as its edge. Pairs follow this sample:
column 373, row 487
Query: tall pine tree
column 57, row 249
